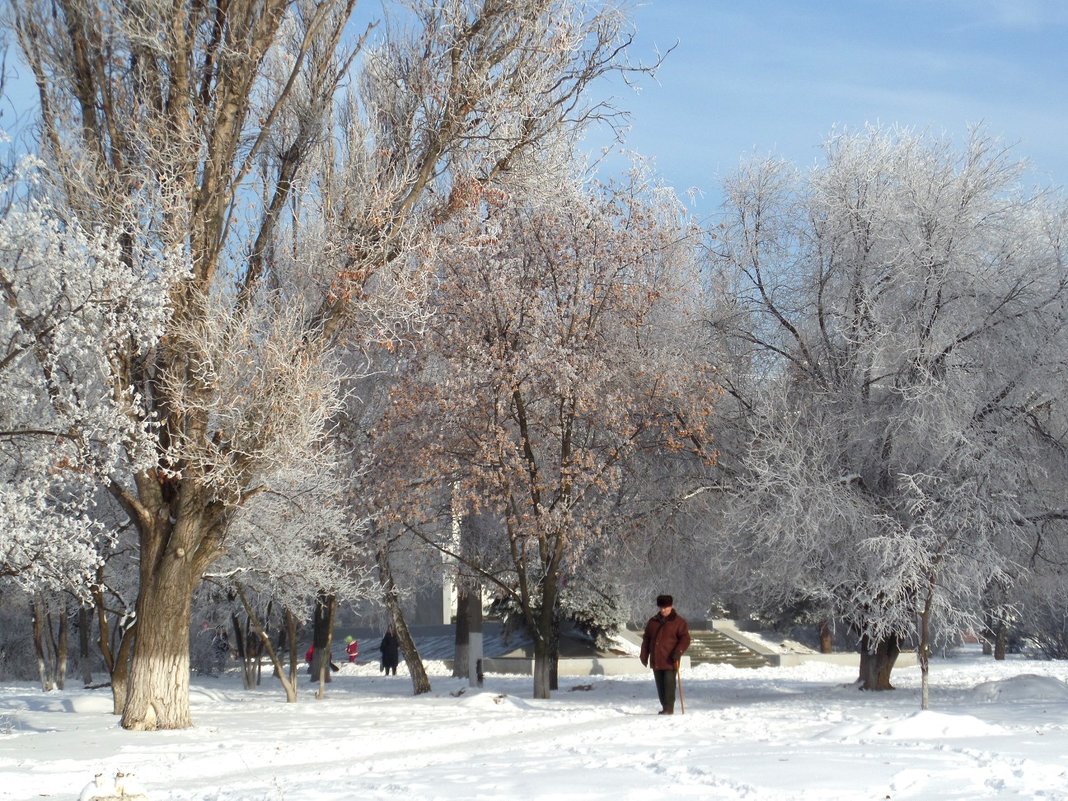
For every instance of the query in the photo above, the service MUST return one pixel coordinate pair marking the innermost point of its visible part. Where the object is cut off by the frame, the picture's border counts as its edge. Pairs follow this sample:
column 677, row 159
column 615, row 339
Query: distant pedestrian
column 666, row 638
column 390, row 649
column 352, row 648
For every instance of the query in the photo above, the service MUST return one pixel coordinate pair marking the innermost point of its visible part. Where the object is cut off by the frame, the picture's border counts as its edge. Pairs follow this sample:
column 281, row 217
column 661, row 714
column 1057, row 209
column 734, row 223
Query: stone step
column 706, row 647
column 712, row 647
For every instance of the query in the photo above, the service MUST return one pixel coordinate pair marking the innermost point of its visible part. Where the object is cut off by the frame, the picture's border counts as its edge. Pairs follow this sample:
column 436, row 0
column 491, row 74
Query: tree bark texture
column 542, row 668
column 120, row 669
column 1001, row 642
column 158, row 692
column 877, row 661
column 545, row 638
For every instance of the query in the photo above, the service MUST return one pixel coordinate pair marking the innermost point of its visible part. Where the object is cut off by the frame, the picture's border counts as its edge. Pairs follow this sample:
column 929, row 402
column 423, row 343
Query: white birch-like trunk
column 157, row 695
column 158, row 692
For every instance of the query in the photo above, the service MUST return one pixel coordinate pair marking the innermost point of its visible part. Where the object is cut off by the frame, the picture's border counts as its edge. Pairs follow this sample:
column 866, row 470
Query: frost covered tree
column 1035, row 604
column 892, row 318
column 285, row 549
column 70, row 302
column 549, row 363
column 212, row 135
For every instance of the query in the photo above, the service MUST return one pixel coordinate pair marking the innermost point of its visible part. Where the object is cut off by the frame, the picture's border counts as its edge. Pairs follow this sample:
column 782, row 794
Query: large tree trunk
column 542, row 663
column 990, row 634
column 996, row 635
column 877, row 661
column 158, row 692
column 468, row 651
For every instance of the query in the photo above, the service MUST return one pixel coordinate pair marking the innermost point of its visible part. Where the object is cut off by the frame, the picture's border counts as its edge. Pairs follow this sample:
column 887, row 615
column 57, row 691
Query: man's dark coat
column 665, row 641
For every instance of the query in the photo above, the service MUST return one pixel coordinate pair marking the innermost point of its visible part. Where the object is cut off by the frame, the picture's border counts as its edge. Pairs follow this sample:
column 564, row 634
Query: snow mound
column 484, row 700
column 918, row 726
column 359, row 669
column 618, row 643
column 90, row 704
column 1026, row 687
column 207, row 694
column 122, row 788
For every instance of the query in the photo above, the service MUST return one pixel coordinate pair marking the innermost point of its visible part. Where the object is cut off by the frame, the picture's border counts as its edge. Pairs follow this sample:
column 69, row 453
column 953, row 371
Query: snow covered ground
column 995, row 731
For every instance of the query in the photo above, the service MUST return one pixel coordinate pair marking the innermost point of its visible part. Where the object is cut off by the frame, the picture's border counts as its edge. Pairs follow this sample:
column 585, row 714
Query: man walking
column 666, row 638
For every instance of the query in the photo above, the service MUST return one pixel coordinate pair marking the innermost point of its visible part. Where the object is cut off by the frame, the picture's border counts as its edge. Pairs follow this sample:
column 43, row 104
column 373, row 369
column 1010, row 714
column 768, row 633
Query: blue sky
column 776, row 76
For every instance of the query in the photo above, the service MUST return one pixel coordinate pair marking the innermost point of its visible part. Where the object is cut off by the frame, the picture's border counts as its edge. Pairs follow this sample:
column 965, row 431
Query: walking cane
column 682, row 698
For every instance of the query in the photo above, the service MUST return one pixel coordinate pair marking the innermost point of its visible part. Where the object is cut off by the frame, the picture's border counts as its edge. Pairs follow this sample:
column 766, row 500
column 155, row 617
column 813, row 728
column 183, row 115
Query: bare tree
column 543, row 374
column 286, row 549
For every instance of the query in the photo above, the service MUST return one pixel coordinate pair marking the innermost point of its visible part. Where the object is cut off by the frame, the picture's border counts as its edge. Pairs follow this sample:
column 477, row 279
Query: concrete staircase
column 708, row 646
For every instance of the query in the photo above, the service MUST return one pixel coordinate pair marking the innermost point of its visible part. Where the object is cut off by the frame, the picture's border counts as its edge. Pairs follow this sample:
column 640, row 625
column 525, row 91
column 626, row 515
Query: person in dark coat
column 390, row 649
column 666, row 638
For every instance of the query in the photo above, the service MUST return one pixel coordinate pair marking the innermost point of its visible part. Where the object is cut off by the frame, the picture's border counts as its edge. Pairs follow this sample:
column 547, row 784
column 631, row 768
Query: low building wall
column 573, row 666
